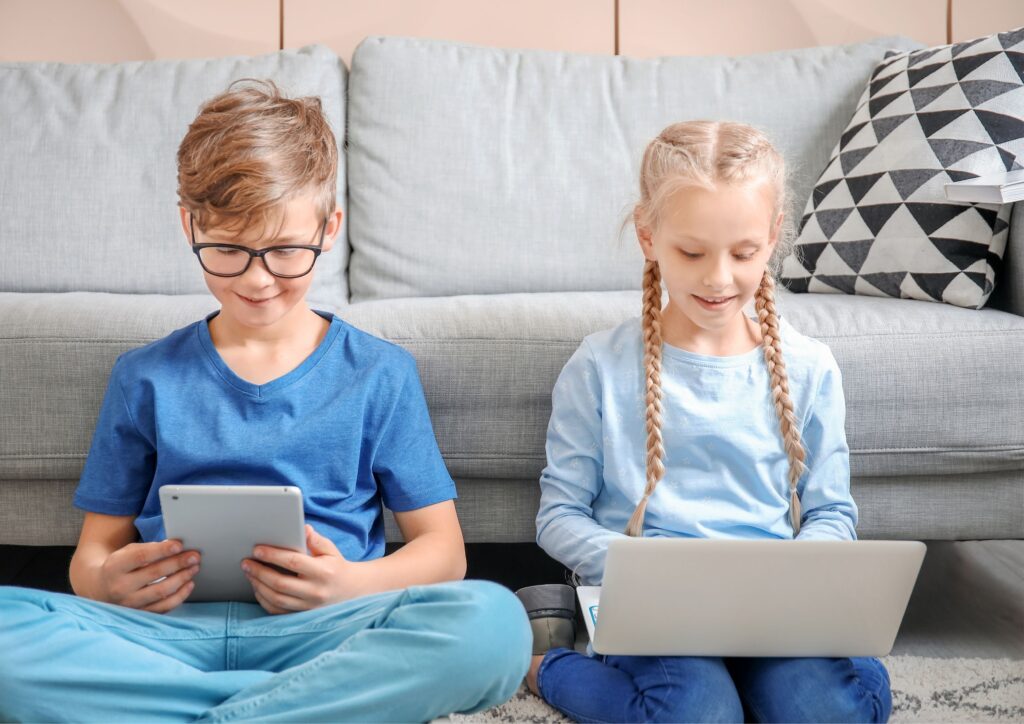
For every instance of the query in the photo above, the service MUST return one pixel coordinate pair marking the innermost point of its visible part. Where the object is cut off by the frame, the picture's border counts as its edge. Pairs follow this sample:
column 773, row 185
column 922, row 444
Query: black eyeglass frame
column 317, row 249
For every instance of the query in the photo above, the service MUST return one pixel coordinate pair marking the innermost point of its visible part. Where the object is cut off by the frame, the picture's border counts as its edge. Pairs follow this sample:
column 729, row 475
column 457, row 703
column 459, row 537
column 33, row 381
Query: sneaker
column 552, row 611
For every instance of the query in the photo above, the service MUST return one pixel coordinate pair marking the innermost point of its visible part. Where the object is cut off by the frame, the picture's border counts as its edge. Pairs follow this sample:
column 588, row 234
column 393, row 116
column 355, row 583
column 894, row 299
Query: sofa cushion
column 90, row 175
column 931, row 389
column 478, row 170
column 878, row 222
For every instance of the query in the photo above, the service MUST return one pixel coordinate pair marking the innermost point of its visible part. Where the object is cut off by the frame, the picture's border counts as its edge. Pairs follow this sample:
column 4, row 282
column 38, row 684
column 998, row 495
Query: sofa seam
column 503, row 456
column 518, row 341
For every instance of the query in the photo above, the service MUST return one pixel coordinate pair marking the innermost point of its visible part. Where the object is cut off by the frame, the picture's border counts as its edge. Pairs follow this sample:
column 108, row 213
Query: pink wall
column 114, row 30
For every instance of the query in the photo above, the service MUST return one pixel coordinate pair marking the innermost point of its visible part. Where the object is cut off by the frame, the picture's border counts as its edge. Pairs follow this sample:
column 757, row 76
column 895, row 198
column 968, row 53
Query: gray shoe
column 552, row 611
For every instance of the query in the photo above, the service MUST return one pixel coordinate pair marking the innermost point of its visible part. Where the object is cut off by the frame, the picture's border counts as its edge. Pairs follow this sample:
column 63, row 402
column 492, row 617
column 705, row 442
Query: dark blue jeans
column 695, row 689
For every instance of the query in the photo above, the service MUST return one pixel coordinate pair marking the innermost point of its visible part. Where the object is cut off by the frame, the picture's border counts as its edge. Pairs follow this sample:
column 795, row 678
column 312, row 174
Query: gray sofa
column 484, row 191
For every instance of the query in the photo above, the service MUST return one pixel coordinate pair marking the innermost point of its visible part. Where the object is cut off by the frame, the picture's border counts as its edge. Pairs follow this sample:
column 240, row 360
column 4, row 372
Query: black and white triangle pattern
column 878, row 222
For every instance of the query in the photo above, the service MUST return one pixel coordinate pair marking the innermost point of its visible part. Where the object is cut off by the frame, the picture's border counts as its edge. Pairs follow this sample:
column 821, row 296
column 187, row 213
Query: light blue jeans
column 408, row 655
column 707, row 689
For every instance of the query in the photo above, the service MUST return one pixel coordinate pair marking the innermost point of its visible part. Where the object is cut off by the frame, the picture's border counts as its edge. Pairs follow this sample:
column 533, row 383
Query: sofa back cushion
column 477, row 170
column 89, row 180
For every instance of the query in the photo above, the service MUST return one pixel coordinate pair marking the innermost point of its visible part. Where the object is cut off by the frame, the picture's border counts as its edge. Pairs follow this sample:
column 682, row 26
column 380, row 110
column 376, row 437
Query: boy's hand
column 323, row 577
column 128, row 575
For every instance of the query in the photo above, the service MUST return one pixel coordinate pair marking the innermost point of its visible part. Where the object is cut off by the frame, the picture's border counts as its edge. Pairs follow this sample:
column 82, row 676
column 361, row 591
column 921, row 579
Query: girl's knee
column 725, row 706
column 814, row 689
column 701, row 690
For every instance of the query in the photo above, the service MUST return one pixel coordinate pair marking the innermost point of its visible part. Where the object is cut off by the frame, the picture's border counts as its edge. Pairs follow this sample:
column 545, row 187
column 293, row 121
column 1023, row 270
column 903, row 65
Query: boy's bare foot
column 531, row 675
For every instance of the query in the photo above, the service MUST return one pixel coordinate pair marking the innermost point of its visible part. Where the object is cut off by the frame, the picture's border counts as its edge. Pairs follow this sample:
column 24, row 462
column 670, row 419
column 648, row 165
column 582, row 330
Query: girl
column 742, row 437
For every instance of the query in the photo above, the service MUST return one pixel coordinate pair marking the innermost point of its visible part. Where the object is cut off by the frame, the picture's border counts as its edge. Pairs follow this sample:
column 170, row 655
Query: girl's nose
column 718, row 276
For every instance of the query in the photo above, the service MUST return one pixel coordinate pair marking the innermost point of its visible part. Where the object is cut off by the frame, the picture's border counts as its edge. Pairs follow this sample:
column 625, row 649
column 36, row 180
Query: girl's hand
column 321, row 578
column 153, row 577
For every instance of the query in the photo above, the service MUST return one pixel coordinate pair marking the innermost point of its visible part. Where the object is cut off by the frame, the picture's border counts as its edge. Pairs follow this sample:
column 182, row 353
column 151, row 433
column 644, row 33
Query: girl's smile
column 714, row 303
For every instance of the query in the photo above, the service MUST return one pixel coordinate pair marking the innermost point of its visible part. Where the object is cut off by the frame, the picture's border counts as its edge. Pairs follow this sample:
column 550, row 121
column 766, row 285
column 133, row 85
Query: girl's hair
column 706, row 153
column 251, row 149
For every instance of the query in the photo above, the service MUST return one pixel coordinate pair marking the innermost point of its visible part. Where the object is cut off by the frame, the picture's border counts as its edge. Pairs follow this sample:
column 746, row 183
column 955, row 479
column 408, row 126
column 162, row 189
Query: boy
column 264, row 391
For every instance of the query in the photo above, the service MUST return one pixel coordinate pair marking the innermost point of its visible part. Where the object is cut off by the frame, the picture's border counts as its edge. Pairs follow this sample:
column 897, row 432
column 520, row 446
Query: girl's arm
column 574, row 475
column 828, row 511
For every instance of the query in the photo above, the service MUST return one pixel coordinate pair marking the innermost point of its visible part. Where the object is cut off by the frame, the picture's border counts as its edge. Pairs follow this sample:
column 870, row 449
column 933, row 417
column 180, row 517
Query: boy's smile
column 259, row 302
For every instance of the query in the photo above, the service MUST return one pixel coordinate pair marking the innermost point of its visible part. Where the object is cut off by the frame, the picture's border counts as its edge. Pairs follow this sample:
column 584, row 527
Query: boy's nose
column 258, row 273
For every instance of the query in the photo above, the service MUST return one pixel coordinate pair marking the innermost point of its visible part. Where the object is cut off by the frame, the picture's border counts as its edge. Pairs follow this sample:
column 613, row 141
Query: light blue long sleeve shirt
column 726, row 470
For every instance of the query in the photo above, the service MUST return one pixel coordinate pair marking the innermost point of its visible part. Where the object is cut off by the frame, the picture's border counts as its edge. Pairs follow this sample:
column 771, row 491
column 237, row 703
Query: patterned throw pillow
column 878, row 222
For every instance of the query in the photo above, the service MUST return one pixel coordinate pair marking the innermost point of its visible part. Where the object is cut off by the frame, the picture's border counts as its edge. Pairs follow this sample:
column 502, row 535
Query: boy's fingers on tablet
column 267, row 606
column 156, row 592
column 290, row 585
column 173, row 601
column 166, row 567
column 298, row 562
column 140, row 555
column 277, row 599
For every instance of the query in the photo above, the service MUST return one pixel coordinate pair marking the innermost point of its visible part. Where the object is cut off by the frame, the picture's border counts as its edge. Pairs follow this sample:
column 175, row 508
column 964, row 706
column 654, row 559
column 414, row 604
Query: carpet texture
column 923, row 690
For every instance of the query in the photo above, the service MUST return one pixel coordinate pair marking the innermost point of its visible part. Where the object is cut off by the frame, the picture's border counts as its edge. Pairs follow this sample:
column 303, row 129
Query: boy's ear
column 643, row 237
column 333, row 228
column 183, row 212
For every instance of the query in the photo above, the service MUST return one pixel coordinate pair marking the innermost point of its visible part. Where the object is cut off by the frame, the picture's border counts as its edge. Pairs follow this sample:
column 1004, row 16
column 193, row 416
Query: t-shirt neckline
column 709, row 360
column 278, row 383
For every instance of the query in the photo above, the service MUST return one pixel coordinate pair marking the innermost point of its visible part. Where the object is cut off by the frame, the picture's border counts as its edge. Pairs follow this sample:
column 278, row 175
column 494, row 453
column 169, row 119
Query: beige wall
column 734, row 27
column 974, row 18
column 582, row 26
column 113, row 30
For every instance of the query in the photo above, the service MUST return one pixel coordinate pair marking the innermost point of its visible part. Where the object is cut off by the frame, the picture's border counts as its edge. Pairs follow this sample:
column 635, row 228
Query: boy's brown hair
column 249, row 150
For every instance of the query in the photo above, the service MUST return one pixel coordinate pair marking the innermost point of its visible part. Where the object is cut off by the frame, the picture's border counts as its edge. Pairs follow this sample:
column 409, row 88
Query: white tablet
column 224, row 523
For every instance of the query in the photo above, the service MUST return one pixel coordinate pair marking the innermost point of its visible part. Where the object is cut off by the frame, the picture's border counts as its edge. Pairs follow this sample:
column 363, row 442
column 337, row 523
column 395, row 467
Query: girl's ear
column 643, row 237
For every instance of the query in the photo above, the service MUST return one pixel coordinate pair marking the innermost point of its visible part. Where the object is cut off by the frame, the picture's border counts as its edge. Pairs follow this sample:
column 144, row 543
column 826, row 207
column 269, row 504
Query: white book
column 996, row 188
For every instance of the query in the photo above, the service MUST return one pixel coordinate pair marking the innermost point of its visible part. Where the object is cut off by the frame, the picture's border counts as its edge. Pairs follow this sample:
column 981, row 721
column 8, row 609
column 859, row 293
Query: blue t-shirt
column 726, row 469
column 349, row 426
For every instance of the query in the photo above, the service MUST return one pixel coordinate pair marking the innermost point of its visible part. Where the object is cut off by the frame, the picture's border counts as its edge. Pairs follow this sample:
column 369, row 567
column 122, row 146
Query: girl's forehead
column 726, row 206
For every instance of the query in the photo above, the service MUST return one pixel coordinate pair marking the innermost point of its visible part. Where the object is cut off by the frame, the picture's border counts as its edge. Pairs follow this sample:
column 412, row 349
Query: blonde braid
column 764, row 303
column 652, row 369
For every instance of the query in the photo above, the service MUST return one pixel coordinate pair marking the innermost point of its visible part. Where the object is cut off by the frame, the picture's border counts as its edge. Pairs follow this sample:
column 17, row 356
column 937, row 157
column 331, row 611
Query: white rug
column 923, row 690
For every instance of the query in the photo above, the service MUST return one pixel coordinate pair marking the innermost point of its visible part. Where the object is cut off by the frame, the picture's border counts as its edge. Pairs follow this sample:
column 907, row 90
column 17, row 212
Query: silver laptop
column 700, row 597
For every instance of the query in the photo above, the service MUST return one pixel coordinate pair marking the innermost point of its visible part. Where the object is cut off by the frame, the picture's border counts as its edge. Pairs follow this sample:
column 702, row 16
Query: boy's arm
column 108, row 565
column 433, row 552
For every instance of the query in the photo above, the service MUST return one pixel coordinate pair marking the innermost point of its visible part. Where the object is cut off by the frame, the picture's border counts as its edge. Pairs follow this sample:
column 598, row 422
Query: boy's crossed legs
column 403, row 655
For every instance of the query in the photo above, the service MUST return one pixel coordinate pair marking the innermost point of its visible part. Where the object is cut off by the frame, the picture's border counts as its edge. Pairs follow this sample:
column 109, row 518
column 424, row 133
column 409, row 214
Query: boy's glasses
column 287, row 261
